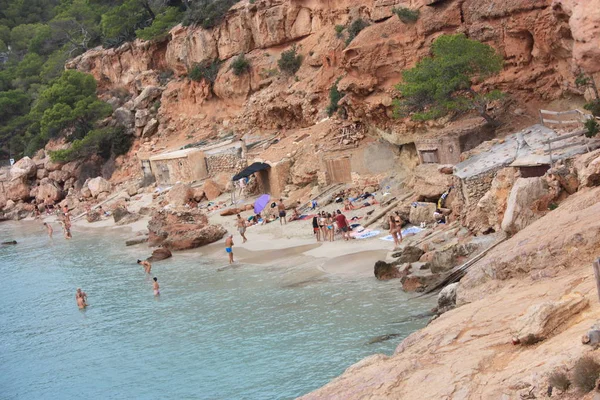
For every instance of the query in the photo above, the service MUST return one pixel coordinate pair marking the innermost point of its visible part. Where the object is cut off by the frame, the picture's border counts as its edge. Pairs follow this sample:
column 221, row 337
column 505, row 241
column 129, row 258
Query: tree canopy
column 443, row 82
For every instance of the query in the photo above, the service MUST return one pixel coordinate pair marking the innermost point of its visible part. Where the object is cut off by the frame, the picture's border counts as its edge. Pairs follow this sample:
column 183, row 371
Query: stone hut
column 185, row 166
column 444, row 146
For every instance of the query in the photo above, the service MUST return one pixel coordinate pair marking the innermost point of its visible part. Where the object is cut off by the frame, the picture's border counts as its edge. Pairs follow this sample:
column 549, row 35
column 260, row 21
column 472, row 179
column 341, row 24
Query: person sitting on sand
column 81, row 298
column 241, row 226
column 49, row 229
column 156, row 287
column 146, row 264
column 295, row 212
column 348, row 205
column 229, row 247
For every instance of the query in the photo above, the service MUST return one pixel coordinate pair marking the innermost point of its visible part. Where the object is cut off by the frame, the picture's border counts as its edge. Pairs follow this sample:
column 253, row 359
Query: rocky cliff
column 544, row 43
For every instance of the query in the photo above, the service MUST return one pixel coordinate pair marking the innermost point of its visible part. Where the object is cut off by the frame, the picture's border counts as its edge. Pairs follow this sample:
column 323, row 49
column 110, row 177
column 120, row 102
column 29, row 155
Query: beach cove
column 260, row 330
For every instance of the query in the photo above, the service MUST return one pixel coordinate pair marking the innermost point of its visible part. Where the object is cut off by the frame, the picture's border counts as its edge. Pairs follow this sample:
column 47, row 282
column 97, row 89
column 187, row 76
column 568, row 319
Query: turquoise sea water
column 237, row 334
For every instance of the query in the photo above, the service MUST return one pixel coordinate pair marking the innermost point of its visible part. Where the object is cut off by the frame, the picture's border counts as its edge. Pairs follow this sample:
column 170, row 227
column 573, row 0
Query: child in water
column 156, row 287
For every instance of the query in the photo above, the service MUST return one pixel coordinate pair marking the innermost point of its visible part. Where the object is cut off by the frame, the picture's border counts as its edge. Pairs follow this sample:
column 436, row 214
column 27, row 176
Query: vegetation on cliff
column 444, row 83
column 38, row 36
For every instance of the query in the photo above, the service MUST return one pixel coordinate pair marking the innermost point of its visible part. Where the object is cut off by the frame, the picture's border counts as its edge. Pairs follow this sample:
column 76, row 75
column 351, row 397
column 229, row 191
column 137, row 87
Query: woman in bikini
column 322, row 224
column 396, row 229
column 330, row 231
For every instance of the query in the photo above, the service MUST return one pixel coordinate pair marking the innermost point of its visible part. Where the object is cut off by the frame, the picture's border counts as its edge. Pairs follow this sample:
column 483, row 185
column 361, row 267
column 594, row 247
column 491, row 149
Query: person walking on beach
column 342, row 224
column 49, row 229
column 156, row 287
column 316, row 228
column 81, row 298
column 229, row 247
column 282, row 213
column 241, row 225
column 146, row 264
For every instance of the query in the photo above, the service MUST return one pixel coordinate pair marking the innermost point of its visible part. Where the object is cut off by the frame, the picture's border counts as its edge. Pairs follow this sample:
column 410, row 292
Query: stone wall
column 229, row 162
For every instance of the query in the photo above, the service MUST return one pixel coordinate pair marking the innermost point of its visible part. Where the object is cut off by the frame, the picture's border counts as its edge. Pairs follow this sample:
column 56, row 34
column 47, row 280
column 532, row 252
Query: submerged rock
column 9, row 242
column 160, row 254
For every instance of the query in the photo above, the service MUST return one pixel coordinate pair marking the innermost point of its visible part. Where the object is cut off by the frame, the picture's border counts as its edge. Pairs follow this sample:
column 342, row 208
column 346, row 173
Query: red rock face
column 182, row 230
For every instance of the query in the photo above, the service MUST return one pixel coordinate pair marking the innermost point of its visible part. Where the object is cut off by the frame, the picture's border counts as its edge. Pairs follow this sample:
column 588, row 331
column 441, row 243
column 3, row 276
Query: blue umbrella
column 261, row 203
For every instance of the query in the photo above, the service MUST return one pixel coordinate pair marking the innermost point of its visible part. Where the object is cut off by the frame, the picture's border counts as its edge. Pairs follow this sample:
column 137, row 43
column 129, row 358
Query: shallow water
column 242, row 333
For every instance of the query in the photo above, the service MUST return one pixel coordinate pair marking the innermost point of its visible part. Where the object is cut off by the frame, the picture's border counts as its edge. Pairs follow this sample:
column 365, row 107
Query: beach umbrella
column 261, row 203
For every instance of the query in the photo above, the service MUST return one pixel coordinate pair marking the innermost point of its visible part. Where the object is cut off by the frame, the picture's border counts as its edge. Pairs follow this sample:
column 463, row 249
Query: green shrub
column 406, row 15
column 208, row 13
column 592, row 128
column 334, row 98
column 161, row 25
column 593, row 107
column 105, row 142
column 339, row 31
column 586, row 373
column 559, row 380
column 290, row 61
column 354, row 29
column 240, row 65
column 207, row 70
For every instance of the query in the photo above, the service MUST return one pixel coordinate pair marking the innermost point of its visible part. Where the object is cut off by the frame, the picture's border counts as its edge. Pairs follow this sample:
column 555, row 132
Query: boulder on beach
column 160, row 254
column 179, row 195
column 211, row 189
column 408, row 254
column 182, row 230
column 98, row 185
column 139, row 240
column 385, row 271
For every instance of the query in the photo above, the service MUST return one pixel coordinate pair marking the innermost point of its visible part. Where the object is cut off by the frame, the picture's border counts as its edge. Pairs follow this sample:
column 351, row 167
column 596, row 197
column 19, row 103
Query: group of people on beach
column 324, row 225
column 64, row 219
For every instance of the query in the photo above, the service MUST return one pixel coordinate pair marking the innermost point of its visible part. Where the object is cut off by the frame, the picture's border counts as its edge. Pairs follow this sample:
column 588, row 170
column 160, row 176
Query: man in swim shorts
column 241, row 226
column 229, row 247
column 281, row 209
column 342, row 224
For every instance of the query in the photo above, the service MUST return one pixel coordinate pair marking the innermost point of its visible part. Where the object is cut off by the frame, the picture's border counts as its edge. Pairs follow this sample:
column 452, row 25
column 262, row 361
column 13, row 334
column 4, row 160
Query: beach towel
column 303, row 217
column 411, row 230
column 365, row 234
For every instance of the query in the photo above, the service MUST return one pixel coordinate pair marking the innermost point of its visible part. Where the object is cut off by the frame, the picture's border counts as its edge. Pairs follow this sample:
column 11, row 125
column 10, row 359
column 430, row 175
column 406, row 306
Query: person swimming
column 81, row 298
column 156, row 287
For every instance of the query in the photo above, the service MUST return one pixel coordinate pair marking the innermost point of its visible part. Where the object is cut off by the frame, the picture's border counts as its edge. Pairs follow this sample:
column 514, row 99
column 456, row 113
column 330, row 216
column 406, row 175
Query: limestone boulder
column 93, row 216
column 147, row 97
column 588, row 169
column 182, row 230
column 418, row 281
column 179, row 195
column 428, row 182
column 422, row 212
column 446, row 300
column 548, row 318
column 211, row 189
column 51, row 165
column 408, row 254
column 49, row 192
column 41, row 173
column 98, row 185
column 141, row 118
column 150, row 128
column 124, row 117
column 59, row 175
column 17, row 189
column 385, row 271
column 521, row 209
column 198, row 194
column 450, row 256
column 160, row 254
column 24, row 168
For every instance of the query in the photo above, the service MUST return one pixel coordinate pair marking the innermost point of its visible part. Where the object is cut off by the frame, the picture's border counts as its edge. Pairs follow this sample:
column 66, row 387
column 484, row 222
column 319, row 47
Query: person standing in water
column 146, row 264
column 156, row 287
column 241, row 225
column 229, row 247
column 81, row 298
column 49, row 229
